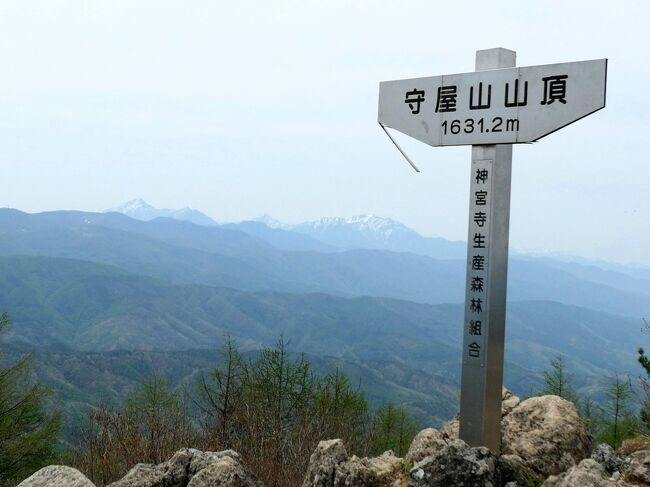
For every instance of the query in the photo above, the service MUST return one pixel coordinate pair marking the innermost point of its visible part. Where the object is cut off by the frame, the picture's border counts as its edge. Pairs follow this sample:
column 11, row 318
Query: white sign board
column 500, row 106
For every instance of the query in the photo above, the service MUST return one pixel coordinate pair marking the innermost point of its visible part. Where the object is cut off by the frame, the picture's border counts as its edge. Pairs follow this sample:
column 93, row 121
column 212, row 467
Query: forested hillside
column 75, row 313
column 104, row 301
column 182, row 252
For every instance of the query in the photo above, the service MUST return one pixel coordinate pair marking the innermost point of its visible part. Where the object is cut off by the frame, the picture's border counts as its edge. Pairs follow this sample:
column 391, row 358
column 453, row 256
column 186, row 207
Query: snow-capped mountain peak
column 376, row 232
column 271, row 222
column 378, row 226
column 136, row 204
column 141, row 210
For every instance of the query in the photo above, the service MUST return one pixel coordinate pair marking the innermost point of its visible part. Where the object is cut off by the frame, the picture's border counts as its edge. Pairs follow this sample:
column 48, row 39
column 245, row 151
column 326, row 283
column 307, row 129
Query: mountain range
column 73, row 305
column 103, row 299
column 363, row 232
column 98, row 330
column 372, row 232
column 181, row 252
column 325, row 234
column 141, row 210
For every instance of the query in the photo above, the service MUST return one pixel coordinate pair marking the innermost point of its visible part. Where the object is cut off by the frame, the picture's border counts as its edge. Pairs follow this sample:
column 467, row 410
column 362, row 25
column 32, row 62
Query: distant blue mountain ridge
column 365, row 290
column 379, row 233
column 185, row 253
column 141, row 210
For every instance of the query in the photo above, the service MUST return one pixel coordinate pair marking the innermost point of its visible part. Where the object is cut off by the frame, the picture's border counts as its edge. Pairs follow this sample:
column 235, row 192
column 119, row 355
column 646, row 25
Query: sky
column 247, row 108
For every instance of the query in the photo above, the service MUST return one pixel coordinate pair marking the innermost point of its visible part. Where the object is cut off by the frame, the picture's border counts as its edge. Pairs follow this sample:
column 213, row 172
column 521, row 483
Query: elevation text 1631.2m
column 470, row 125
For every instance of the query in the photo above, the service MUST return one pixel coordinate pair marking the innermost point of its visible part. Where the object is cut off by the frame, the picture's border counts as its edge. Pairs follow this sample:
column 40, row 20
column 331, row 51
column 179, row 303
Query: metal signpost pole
column 487, row 268
column 491, row 108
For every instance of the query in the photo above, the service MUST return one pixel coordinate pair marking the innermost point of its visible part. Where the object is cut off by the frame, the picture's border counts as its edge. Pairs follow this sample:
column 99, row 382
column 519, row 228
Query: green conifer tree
column 590, row 414
column 558, row 381
column 219, row 396
column 27, row 432
column 619, row 422
column 393, row 429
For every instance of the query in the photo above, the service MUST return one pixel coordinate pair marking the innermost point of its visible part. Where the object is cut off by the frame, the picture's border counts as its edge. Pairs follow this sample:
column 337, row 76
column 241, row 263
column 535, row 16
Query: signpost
column 492, row 108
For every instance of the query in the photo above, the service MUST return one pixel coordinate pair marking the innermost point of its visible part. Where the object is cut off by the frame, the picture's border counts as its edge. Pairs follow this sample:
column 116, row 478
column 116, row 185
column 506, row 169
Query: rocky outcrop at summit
column 330, row 466
column 192, row 468
column 186, row 468
column 636, row 469
column 457, row 464
column 544, row 442
column 587, row 473
column 610, row 460
column 55, row 476
column 426, row 443
column 545, row 433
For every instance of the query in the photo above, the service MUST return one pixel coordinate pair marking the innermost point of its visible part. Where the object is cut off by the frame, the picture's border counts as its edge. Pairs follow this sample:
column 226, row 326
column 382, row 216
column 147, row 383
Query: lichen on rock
column 457, row 464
